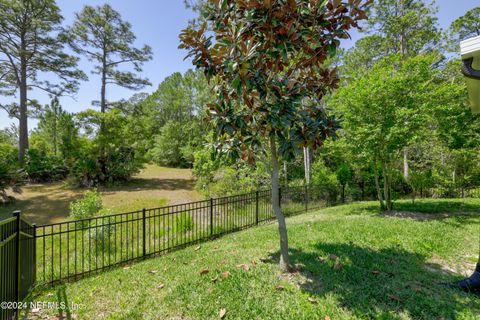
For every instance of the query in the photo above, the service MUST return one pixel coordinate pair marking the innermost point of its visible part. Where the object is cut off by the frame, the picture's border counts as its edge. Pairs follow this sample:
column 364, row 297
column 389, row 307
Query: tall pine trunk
column 103, row 109
column 282, row 227
column 23, row 121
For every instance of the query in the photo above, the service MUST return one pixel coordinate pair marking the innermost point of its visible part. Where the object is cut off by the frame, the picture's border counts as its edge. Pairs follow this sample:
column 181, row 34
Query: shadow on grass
column 439, row 205
column 380, row 284
column 140, row 184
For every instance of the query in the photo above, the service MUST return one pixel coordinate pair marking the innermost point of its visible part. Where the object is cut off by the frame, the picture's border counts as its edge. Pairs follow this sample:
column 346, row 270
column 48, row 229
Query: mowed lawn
column 352, row 262
column 152, row 187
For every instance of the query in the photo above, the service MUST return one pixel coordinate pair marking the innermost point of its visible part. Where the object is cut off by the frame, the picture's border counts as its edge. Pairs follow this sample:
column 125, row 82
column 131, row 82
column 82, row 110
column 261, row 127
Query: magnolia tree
column 265, row 59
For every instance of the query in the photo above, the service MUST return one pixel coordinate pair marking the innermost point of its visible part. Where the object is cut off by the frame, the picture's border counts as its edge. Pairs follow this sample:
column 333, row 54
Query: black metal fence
column 17, row 263
column 72, row 249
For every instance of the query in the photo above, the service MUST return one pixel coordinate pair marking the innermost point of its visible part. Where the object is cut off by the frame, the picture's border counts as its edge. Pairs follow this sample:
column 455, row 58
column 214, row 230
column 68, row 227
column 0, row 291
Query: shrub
column 87, row 207
column 102, row 235
column 41, row 167
column 11, row 176
column 167, row 150
column 326, row 181
column 183, row 222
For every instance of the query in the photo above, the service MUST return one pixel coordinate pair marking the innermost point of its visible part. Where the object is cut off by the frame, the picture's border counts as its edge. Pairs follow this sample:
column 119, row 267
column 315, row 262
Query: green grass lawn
column 387, row 268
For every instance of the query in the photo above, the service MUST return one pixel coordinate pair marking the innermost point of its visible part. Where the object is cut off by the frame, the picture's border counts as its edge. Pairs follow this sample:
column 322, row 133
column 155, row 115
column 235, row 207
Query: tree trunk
column 103, row 109
column 55, row 132
column 103, row 101
column 307, row 164
column 23, row 121
column 377, row 187
column 285, row 173
column 282, row 228
column 405, row 164
column 387, row 187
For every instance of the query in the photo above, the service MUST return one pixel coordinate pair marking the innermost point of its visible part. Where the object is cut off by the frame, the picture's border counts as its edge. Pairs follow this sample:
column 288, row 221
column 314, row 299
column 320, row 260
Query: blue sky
column 158, row 23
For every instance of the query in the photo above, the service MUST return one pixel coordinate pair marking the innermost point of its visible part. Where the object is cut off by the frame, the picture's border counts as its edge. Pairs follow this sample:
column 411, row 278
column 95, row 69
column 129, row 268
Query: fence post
column 306, row 197
column 211, row 217
column 17, row 260
column 256, row 207
column 144, row 236
column 34, row 225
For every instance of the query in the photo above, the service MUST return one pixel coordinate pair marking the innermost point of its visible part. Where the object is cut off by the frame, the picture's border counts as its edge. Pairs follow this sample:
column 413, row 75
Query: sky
column 158, row 23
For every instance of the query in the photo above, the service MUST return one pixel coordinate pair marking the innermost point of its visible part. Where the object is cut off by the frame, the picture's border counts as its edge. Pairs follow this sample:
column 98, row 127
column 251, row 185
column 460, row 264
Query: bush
column 167, row 150
column 183, row 222
column 41, row 167
column 11, row 175
column 87, row 207
column 102, row 235
column 120, row 165
column 325, row 181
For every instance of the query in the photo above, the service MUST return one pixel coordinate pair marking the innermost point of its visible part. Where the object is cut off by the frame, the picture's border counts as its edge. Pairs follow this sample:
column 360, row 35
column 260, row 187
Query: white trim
column 470, row 47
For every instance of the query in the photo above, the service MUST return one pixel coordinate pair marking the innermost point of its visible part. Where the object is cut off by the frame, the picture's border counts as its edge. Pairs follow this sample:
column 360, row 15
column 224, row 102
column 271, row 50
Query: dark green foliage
column 467, row 25
column 41, row 167
column 11, row 175
column 108, row 157
column 100, row 34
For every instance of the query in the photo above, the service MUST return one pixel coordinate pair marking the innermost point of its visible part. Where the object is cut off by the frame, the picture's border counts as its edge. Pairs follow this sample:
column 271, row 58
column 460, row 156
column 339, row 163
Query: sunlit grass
column 152, row 187
column 387, row 268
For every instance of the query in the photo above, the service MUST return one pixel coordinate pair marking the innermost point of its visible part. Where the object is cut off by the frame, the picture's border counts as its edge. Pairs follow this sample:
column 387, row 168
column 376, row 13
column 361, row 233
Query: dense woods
column 384, row 119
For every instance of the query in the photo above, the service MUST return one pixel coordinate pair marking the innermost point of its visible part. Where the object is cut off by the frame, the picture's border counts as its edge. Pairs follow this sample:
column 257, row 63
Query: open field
column 352, row 262
column 154, row 186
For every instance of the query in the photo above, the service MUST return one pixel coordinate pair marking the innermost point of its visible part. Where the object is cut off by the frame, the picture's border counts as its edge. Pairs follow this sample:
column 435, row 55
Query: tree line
column 398, row 124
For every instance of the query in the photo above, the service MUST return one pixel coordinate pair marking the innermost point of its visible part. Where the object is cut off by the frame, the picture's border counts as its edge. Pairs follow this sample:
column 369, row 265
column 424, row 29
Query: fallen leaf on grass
column 126, row 267
column 327, row 318
column 215, row 279
column 153, row 271
column 376, row 272
column 222, row 313
column 160, row 286
column 279, row 287
column 197, row 248
column 35, row 310
column 322, row 259
column 415, row 287
column 254, row 263
column 393, row 297
column 337, row 265
column 204, row 271
column 312, row 301
column 244, row 266
column 226, row 274
column 333, row 257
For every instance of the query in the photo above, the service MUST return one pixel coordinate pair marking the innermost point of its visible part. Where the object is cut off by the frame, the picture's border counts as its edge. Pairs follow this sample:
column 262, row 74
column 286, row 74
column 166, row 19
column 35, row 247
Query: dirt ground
column 154, row 186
